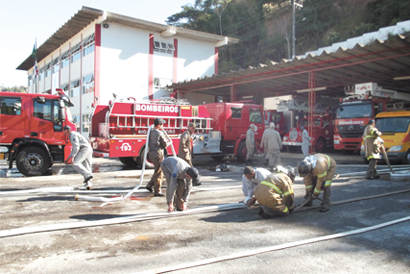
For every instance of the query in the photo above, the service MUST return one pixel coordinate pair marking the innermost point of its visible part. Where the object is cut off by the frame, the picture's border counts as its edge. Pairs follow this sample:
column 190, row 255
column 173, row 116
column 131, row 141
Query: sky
column 24, row 21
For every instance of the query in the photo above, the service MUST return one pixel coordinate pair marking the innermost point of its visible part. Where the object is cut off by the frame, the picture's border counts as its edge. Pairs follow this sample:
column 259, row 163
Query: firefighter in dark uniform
column 317, row 172
column 156, row 145
column 372, row 145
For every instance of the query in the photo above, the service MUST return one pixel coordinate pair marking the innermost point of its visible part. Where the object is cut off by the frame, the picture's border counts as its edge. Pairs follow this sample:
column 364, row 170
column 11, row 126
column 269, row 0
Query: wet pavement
column 151, row 244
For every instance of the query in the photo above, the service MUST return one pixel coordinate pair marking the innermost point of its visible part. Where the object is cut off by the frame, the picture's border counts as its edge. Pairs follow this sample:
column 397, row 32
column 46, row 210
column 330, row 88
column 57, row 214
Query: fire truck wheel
column 128, row 161
column 32, row 161
column 242, row 151
column 320, row 145
column 148, row 164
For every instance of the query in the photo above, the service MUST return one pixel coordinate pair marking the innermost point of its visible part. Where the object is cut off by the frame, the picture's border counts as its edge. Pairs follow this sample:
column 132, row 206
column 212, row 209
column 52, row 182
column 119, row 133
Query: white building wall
column 195, row 59
column 123, row 62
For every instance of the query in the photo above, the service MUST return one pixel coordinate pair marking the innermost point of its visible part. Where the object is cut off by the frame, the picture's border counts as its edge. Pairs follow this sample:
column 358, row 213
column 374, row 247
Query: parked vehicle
column 276, row 117
column 233, row 120
column 321, row 133
column 119, row 129
column 395, row 128
column 31, row 130
column 364, row 102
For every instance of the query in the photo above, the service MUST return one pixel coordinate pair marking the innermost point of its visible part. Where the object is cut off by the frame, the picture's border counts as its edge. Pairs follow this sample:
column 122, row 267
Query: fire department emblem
column 125, row 147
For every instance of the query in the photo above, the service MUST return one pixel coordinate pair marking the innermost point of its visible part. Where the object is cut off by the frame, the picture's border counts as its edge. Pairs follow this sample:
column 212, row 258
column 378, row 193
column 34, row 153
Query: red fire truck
column 322, row 133
column 31, row 130
column 119, row 129
column 363, row 103
column 233, row 120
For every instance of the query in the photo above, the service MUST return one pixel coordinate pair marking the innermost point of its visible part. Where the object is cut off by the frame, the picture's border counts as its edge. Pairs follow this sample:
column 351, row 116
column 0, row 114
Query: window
column 65, row 59
column 48, row 72
column 76, row 121
column 56, row 65
column 56, row 122
column 88, row 49
column 10, row 106
column 65, row 87
column 88, row 83
column 86, row 123
column 236, row 112
column 75, row 88
column 43, row 110
column 75, row 53
column 163, row 47
column 255, row 115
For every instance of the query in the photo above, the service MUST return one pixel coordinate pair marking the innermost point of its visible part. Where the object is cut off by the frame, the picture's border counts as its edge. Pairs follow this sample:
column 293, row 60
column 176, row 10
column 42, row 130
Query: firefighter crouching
column 317, row 172
column 275, row 193
column 372, row 145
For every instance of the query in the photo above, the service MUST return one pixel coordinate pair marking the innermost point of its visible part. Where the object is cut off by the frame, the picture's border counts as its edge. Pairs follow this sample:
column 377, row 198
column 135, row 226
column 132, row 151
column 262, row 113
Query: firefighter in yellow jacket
column 317, row 172
column 372, row 146
column 275, row 193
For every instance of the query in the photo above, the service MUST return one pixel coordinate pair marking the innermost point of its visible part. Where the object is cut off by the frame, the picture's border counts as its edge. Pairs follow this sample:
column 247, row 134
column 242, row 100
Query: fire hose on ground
column 142, row 217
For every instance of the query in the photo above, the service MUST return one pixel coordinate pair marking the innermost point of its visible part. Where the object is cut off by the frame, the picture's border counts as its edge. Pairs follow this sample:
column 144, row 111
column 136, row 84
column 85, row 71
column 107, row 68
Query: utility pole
column 293, row 29
column 300, row 5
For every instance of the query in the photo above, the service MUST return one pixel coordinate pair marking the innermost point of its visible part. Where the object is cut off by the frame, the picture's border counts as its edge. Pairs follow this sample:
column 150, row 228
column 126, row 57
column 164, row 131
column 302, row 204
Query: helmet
column 291, row 172
column 371, row 122
column 304, row 167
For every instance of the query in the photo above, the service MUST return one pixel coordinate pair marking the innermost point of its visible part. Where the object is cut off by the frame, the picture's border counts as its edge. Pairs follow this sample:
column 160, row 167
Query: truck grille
column 351, row 131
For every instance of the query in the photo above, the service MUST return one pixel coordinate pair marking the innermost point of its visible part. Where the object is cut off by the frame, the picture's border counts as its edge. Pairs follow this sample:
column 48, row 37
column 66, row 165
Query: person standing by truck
column 156, row 145
column 185, row 148
column 305, row 141
column 81, row 155
column 250, row 143
column 372, row 147
column 273, row 144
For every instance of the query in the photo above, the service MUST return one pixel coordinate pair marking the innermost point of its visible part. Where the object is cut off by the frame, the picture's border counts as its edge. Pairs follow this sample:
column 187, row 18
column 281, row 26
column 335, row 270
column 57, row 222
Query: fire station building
column 96, row 54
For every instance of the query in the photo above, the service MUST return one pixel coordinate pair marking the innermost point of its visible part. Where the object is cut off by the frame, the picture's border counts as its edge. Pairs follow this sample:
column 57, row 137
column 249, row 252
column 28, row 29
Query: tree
column 218, row 6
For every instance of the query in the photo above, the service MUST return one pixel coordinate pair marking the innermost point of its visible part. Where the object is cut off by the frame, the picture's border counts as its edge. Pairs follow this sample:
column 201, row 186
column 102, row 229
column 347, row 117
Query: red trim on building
column 97, row 54
column 216, row 59
column 175, row 62
column 151, row 67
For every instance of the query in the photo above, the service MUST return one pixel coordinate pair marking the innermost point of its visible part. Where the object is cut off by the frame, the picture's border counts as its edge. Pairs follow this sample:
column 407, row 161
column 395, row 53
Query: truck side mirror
column 61, row 114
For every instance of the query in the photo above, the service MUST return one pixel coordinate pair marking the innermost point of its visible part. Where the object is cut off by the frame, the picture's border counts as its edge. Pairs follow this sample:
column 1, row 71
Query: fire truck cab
column 364, row 102
column 31, row 130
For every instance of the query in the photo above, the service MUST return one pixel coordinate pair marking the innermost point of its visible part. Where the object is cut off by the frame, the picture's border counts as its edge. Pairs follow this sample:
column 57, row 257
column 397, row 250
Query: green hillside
column 265, row 27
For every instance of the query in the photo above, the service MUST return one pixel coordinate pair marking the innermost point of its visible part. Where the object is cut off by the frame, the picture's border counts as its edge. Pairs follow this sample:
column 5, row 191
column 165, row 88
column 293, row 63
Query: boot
column 326, row 200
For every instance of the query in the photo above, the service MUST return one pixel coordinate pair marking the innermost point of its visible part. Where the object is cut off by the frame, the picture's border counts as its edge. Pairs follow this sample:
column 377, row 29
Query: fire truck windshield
column 354, row 111
column 393, row 124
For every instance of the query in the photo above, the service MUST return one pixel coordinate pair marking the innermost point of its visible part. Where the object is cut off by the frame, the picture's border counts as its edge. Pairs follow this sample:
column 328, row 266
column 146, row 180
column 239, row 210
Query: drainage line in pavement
column 144, row 217
column 277, row 247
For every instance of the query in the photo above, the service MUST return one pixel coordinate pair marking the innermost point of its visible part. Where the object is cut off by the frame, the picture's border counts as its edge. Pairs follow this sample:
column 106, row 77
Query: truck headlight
column 285, row 138
column 336, row 141
column 395, row 148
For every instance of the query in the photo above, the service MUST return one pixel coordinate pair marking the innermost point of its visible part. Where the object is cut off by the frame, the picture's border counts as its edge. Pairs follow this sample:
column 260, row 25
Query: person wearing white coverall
column 305, row 141
column 250, row 143
column 178, row 174
column 273, row 144
column 81, row 155
column 250, row 179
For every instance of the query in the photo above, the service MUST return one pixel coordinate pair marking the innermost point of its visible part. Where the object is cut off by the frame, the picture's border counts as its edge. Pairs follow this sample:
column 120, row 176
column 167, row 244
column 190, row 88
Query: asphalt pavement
column 145, row 245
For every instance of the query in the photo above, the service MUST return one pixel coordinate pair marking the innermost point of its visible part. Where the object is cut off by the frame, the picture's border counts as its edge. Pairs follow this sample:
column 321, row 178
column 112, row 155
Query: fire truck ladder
column 301, row 104
column 173, row 123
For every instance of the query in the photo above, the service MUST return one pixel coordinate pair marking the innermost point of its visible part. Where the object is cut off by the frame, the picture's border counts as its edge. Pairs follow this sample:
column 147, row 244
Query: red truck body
column 31, row 130
column 321, row 133
column 120, row 129
column 233, row 120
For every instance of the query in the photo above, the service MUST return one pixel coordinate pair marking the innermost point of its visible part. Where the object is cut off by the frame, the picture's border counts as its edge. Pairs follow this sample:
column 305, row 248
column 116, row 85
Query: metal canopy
column 331, row 72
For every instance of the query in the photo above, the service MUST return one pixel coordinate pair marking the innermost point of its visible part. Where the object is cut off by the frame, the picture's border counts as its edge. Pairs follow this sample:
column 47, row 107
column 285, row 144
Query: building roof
column 87, row 15
column 382, row 57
